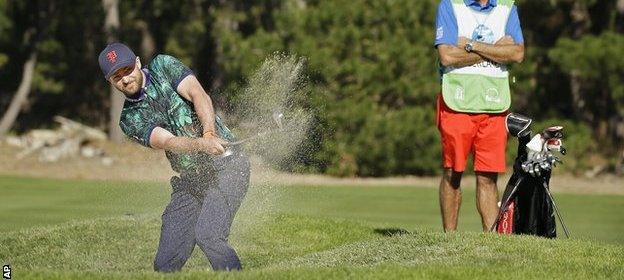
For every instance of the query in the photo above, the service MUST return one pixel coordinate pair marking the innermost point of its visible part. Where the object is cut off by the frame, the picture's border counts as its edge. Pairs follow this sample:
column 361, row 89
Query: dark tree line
column 371, row 66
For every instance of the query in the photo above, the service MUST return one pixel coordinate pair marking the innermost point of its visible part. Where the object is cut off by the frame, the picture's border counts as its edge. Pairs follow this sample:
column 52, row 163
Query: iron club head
column 278, row 117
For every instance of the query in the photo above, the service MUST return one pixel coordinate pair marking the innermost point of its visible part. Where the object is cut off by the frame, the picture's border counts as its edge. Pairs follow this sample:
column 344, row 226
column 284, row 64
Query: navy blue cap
column 114, row 57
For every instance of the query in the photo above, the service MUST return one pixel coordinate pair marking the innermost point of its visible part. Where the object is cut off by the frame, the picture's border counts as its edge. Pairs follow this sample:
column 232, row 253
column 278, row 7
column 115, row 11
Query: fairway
column 76, row 229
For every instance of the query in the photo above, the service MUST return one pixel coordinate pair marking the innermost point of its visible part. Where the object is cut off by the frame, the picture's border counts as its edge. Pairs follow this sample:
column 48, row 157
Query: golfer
column 476, row 40
column 167, row 108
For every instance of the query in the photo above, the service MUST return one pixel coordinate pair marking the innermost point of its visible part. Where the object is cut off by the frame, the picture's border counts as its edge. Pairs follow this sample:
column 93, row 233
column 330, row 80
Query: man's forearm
column 191, row 90
column 182, row 145
column 163, row 139
column 205, row 112
column 456, row 57
column 503, row 54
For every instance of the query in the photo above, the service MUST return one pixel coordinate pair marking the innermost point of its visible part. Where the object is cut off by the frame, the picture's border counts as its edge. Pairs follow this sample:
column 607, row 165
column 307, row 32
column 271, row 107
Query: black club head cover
column 518, row 125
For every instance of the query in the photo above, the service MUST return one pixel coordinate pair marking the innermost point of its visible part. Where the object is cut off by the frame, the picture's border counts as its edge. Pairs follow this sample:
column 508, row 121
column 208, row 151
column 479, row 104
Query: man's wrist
column 477, row 46
column 469, row 46
column 211, row 133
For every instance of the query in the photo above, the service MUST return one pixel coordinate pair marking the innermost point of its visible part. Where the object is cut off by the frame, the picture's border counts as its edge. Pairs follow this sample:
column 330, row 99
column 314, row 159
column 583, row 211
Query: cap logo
column 111, row 56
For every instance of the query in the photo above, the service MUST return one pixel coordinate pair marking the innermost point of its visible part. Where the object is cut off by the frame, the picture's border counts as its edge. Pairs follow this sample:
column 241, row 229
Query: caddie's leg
column 177, row 234
column 457, row 131
column 450, row 198
column 487, row 198
column 489, row 160
column 223, row 198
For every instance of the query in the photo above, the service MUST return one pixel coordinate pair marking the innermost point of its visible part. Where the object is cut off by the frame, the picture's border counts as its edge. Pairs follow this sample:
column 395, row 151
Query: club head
column 544, row 166
column 531, row 170
column 278, row 117
column 228, row 152
column 537, row 171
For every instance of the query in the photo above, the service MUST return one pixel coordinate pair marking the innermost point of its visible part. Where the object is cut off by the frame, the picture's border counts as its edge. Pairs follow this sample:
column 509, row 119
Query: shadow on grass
column 391, row 231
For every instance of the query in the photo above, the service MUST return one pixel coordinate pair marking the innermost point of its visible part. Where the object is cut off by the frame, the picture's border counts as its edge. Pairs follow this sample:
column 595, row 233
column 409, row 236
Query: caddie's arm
column 455, row 57
column 451, row 54
column 165, row 140
column 505, row 51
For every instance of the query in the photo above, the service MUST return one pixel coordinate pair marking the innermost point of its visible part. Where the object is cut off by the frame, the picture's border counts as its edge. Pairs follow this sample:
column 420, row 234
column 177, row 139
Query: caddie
column 476, row 40
column 166, row 108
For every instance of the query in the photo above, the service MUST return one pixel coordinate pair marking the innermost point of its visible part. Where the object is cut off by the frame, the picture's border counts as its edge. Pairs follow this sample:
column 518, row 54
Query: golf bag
column 527, row 206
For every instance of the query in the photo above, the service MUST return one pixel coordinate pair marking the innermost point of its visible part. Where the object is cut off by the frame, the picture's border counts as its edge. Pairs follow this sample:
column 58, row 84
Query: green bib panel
column 475, row 93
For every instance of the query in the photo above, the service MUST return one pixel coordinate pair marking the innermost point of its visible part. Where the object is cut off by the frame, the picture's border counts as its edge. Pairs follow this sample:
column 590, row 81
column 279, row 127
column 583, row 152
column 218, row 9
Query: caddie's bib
column 482, row 87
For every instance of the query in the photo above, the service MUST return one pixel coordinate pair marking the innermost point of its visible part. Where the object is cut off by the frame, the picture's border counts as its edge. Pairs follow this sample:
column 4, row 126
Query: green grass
column 54, row 229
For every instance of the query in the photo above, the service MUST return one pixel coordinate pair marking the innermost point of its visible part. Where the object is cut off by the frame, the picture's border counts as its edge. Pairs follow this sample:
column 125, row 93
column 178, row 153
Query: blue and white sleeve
column 513, row 27
column 446, row 24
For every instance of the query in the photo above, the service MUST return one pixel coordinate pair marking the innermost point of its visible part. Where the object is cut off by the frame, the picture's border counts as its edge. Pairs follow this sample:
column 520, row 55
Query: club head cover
column 553, row 132
column 518, row 125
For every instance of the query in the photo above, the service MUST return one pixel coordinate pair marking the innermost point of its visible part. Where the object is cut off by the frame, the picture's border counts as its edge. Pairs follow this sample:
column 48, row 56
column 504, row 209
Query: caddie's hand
column 462, row 41
column 506, row 40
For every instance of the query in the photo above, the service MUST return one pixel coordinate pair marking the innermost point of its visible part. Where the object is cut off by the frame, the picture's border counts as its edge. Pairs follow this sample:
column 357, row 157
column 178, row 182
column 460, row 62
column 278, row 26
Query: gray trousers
column 201, row 211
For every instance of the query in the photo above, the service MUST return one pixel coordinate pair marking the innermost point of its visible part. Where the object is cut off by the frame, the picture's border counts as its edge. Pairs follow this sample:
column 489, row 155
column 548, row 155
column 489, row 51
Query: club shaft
column 251, row 138
column 565, row 229
column 504, row 205
column 240, row 142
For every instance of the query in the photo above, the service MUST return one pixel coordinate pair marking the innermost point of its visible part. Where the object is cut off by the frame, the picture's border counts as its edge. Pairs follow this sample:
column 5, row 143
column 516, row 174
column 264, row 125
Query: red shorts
column 464, row 133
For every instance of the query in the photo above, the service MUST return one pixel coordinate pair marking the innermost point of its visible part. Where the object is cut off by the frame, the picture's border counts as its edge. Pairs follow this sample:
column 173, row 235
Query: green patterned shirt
column 161, row 105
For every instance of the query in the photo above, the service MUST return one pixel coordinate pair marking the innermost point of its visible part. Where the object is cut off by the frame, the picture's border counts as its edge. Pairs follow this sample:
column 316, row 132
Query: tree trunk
column 619, row 18
column 619, row 126
column 215, row 62
column 580, row 24
column 111, row 25
column 148, row 44
column 20, row 96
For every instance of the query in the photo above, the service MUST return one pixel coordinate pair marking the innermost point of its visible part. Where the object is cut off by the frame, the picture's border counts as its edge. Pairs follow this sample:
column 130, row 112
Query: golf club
column 552, row 199
column 277, row 119
column 503, row 206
